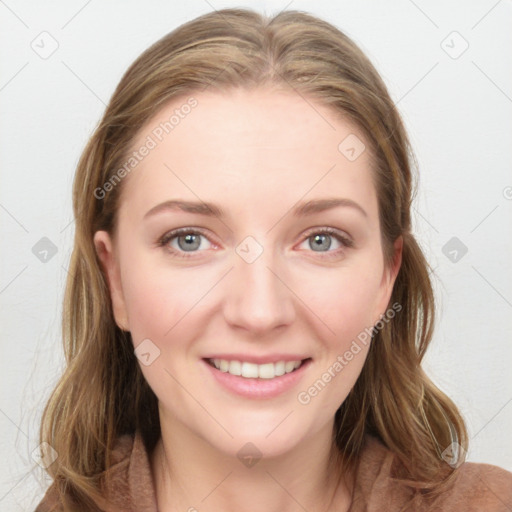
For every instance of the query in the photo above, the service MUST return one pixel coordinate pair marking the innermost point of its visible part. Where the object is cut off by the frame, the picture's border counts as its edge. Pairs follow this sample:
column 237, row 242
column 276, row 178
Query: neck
column 190, row 474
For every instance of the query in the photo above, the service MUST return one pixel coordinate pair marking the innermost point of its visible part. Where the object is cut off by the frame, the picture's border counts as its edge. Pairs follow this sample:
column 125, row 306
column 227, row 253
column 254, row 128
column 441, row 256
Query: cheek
column 157, row 298
column 345, row 299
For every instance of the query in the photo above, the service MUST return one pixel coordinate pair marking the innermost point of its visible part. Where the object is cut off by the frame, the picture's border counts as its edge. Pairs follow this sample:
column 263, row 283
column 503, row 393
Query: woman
column 247, row 308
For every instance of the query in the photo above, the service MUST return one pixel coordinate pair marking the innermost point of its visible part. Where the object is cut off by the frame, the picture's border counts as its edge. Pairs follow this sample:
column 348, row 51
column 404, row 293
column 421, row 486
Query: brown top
column 478, row 487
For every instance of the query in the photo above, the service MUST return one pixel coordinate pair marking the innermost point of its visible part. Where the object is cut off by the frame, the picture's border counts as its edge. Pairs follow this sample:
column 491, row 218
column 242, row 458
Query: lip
column 271, row 358
column 255, row 387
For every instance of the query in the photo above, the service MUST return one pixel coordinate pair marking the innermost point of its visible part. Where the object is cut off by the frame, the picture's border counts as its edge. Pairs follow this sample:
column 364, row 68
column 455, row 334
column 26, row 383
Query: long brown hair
column 103, row 394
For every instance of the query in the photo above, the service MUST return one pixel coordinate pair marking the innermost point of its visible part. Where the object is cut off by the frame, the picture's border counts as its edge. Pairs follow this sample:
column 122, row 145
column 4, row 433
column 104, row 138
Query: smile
column 254, row 371
column 253, row 380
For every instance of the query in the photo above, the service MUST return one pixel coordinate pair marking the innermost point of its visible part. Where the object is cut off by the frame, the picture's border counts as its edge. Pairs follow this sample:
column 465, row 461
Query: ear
column 389, row 278
column 104, row 246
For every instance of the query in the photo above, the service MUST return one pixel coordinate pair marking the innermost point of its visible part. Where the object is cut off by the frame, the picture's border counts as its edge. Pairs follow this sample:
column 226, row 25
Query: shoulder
column 475, row 487
column 479, row 487
column 118, row 472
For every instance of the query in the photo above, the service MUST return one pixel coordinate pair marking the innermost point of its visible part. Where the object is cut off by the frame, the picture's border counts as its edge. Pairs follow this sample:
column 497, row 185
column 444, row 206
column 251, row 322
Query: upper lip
column 270, row 358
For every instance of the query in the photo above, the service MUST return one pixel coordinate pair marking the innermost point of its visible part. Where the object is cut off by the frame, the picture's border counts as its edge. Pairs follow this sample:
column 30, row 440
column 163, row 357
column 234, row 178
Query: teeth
column 253, row 371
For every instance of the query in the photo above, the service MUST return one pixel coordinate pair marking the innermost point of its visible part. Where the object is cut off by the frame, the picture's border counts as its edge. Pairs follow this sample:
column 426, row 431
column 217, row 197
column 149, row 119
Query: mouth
column 262, row 380
column 249, row 370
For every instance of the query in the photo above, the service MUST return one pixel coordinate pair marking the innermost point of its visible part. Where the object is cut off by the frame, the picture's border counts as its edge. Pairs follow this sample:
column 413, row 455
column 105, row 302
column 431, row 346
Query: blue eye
column 184, row 242
column 188, row 241
column 320, row 241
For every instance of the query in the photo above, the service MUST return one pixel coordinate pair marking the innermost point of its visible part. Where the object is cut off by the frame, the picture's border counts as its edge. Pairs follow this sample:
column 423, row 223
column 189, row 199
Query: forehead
column 249, row 146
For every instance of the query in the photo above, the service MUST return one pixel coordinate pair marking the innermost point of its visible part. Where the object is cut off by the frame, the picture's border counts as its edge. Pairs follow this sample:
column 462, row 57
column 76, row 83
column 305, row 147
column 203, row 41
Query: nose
column 258, row 299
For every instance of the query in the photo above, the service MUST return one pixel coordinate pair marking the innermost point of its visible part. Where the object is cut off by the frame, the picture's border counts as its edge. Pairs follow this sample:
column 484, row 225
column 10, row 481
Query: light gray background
column 457, row 111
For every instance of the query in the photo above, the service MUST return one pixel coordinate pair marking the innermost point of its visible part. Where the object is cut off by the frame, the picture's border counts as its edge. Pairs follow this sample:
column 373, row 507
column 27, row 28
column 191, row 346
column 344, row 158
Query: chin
column 260, row 435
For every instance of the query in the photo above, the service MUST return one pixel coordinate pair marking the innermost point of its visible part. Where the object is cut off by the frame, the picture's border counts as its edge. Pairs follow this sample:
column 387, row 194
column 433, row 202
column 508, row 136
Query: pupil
column 189, row 242
column 321, row 239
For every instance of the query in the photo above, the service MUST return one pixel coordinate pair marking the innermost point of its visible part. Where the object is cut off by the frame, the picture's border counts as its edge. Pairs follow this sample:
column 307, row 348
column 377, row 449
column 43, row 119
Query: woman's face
column 255, row 278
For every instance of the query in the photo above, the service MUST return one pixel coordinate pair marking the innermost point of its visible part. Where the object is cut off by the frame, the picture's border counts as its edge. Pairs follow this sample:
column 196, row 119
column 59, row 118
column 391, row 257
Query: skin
column 256, row 153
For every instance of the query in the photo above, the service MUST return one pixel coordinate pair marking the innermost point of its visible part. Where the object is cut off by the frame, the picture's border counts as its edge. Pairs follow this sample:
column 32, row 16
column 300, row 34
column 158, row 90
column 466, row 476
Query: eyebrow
column 212, row 210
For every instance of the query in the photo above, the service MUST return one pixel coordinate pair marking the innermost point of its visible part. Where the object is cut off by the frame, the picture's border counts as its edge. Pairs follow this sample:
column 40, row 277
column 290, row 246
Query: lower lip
column 258, row 388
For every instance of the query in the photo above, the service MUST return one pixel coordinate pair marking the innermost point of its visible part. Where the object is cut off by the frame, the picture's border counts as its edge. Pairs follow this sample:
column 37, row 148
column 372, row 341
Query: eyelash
column 344, row 241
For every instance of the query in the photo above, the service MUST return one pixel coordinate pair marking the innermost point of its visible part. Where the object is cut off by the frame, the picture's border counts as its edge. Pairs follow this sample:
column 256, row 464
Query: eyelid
column 337, row 233
column 164, row 240
column 344, row 238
